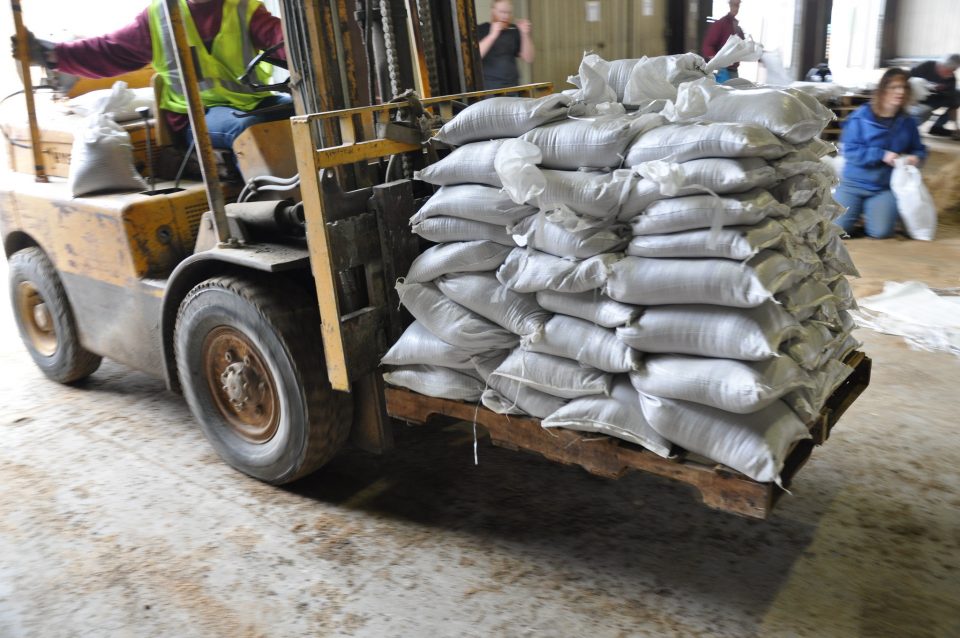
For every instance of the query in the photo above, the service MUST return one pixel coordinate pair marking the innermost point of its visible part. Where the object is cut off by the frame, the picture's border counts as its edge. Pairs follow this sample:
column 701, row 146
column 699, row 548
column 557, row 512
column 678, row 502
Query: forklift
column 270, row 312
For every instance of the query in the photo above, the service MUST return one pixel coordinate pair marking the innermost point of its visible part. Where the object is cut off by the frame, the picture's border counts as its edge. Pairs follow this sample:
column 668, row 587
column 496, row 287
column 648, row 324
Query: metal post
column 23, row 57
column 198, row 122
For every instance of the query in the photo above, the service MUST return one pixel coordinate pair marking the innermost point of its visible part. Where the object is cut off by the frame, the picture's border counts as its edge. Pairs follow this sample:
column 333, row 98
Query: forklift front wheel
column 251, row 365
column 45, row 319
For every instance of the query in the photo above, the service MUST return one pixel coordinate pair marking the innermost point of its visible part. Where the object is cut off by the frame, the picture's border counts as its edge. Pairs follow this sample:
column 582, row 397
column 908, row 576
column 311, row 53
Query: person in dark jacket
column 717, row 35
column 941, row 74
column 874, row 137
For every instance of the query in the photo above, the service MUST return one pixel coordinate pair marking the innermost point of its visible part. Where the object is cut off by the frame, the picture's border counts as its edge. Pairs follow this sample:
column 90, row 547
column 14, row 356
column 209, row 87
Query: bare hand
column 910, row 160
column 890, row 157
column 524, row 26
column 496, row 28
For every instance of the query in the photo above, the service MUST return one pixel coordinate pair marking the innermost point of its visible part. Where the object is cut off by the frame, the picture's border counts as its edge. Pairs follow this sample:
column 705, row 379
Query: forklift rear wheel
column 251, row 365
column 45, row 319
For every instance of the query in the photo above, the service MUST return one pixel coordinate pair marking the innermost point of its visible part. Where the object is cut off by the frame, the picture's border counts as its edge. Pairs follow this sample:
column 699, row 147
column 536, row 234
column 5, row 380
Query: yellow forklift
column 271, row 315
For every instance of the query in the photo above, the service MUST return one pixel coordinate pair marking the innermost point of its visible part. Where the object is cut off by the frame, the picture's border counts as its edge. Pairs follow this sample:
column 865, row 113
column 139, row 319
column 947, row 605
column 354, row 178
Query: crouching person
column 874, row 137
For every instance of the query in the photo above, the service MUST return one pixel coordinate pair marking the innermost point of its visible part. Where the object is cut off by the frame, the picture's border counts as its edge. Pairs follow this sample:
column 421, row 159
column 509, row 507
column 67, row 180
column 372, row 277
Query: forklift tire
column 45, row 319
column 251, row 365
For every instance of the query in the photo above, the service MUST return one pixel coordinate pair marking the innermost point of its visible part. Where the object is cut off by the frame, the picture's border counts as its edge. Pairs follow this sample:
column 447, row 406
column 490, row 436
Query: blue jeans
column 878, row 209
column 225, row 127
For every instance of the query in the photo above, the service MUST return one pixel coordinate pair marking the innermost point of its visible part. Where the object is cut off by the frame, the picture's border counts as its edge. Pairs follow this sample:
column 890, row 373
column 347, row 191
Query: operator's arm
column 527, row 51
column 486, row 42
column 122, row 51
column 266, row 31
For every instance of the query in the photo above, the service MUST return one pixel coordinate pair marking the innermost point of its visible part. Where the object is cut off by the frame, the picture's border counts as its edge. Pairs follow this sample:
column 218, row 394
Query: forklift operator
column 226, row 35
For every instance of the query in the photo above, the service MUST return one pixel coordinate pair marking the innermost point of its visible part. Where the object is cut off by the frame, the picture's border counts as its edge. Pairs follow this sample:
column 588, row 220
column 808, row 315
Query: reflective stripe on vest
column 218, row 68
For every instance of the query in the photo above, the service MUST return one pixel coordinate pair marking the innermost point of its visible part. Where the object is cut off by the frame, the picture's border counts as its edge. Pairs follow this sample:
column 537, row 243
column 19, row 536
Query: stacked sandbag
column 667, row 281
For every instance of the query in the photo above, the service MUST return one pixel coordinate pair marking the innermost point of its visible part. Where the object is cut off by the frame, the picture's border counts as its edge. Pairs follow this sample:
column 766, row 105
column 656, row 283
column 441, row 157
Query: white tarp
column 912, row 310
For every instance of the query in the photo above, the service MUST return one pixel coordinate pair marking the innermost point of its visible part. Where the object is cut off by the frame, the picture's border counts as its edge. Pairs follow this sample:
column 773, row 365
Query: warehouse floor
column 117, row 519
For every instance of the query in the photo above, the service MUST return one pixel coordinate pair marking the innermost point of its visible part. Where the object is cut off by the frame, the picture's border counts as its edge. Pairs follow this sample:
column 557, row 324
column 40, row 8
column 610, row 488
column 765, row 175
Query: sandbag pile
column 670, row 278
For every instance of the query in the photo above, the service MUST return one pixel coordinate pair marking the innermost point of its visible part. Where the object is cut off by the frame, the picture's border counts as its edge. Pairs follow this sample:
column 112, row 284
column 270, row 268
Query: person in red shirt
column 131, row 48
column 717, row 35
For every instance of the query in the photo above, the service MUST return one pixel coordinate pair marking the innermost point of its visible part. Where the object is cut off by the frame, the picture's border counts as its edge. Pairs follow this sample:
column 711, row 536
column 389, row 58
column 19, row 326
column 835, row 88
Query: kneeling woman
column 874, row 136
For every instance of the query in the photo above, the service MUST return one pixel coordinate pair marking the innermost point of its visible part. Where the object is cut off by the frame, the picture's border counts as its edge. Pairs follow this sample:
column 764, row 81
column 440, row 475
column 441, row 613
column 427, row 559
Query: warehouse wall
column 927, row 28
column 565, row 29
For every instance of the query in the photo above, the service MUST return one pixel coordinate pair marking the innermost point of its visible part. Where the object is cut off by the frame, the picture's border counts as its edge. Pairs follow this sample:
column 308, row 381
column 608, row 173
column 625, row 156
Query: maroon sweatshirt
column 130, row 47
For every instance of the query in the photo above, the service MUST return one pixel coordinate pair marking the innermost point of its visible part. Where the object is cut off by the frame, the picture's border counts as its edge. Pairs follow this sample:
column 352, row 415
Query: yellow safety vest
column 219, row 67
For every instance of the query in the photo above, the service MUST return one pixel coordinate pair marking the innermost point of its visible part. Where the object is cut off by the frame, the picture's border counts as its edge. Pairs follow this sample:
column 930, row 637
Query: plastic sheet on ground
column 914, row 311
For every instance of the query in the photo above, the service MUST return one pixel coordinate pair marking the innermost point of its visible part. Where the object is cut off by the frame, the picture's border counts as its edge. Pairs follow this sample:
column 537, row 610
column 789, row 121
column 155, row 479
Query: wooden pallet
column 844, row 107
column 720, row 487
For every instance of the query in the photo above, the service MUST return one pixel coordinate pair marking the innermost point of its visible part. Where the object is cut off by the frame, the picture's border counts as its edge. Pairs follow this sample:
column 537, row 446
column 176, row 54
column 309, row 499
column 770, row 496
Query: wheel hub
column 36, row 319
column 241, row 384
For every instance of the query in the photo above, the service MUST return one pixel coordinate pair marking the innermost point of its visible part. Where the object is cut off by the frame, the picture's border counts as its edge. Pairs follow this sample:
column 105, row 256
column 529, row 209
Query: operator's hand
column 41, row 51
column 524, row 26
column 890, row 157
column 910, row 160
column 496, row 28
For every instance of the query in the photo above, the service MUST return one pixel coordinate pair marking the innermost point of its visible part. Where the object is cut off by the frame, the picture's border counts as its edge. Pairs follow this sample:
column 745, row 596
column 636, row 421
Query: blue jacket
column 865, row 139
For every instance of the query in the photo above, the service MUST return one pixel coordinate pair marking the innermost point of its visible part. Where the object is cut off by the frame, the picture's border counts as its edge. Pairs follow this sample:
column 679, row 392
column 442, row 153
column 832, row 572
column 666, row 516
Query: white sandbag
column 453, row 229
column 914, row 202
column 469, row 164
column 842, row 290
column 618, row 415
column 484, row 295
column 592, row 306
column 837, row 258
column 434, row 381
column 741, row 387
column 556, row 376
column 591, row 82
column 803, row 301
column 808, row 402
column 618, row 74
column 801, row 221
column 591, row 143
column 465, row 256
column 730, row 242
column 819, row 147
column 597, row 194
column 748, row 334
column 585, row 343
column 120, row 104
column 450, row 321
column 419, row 346
column 804, row 162
column 101, row 158
column 706, row 211
column 539, row 233
column 734, row 51
column 754, row 444
column 506, row 396
column 715, row 174
column 658, row 77
column 780, row 112
column 696, row 140
column 812, row 347
column 473, row 202
column 795, row 191
column 531, row 271
column 500, row 117
column 721, row 282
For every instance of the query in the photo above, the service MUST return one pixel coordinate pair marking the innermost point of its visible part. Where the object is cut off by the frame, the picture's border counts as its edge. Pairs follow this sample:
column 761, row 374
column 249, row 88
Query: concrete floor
column 117, row 519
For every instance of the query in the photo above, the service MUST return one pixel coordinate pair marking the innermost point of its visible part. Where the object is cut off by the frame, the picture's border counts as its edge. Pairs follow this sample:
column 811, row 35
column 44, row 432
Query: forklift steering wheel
column 249, row 77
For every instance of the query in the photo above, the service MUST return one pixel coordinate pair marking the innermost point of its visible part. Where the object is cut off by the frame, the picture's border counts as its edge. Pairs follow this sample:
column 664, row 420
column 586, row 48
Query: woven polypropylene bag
column 473, row 202
column 465, row 256
column 435, row 381
column 556, row 376
column 585, row 343
column 500, row 117
column 749, row 334
column 755, row 444
column 592, row 306
column 469, row 164
column 618, row 415
column 451, row 322
column 484, row 295
column 735, row 386
column 695, row 140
